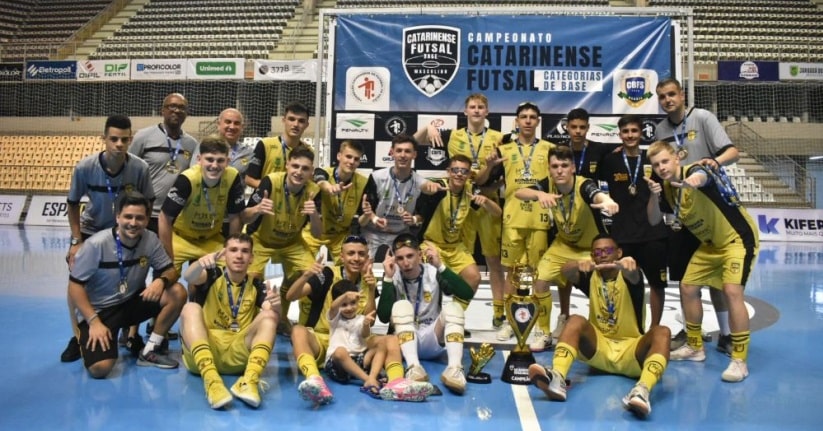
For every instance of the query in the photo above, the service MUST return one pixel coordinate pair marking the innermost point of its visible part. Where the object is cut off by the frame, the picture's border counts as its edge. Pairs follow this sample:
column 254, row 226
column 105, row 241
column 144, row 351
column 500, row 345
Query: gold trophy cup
column 522, row 315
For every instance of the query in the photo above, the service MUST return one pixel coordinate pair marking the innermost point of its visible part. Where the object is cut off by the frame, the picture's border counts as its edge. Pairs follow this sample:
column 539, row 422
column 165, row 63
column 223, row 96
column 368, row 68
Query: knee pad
column 453, row 317
column 402, row 317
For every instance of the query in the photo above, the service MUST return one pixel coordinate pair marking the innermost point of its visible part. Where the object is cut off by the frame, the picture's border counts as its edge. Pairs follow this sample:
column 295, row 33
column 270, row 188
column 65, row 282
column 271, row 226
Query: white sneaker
column 736, row 371
column 637, row 401
column 505, row 333
column 549, row 381
column 541, row 342
column 558, row 327
column 454, row 379
column 687, row 353
column 417, row 373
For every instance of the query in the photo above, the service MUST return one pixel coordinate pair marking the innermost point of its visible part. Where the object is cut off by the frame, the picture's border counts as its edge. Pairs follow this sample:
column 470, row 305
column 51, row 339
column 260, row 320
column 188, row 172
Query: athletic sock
column 740, row 344
column 204, row 359
column 394, row 370
column 258, row 358
column 653, row 368
column 307, row 365
column 563, row 359
column 694, row 335
column 154, row 340
column 544, row 306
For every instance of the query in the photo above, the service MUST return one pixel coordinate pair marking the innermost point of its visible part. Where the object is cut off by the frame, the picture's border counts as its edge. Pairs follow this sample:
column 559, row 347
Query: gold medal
column 527, row 175
column 171, row 168
column 235, row 327
column 676, row 226
column 632, row 189
column 401, row 209
column 123, row 287
column 567, row 229
column 682, row 154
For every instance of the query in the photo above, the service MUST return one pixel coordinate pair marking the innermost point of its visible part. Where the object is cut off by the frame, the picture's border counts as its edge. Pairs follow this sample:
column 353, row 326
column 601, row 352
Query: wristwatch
column 74, row 241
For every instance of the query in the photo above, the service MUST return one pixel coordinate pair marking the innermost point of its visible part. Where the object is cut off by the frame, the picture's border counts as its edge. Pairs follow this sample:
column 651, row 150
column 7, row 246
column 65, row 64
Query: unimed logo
column 216, row 68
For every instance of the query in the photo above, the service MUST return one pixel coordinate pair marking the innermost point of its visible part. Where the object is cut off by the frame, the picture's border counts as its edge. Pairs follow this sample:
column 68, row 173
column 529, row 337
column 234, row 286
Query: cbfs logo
column 431, row 57
column 635, row 90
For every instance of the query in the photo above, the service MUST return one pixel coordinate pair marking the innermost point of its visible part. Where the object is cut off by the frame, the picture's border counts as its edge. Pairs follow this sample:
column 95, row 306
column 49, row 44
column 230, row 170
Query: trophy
column 480, row 358
column 522, row 315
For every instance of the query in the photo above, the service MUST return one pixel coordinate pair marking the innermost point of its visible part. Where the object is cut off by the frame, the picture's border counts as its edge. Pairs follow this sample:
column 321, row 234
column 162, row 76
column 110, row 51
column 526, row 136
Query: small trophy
column 522, row 315
column 480, row 358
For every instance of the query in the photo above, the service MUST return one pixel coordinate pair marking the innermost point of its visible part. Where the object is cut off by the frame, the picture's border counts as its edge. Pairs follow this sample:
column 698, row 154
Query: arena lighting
column 816, row 158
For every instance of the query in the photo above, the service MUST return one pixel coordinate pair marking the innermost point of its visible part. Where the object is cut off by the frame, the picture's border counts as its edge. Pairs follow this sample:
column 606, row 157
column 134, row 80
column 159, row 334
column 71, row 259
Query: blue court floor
column 38, row 392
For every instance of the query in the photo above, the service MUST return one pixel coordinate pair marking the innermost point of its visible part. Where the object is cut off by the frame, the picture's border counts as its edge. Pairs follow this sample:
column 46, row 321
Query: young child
column 347, row 355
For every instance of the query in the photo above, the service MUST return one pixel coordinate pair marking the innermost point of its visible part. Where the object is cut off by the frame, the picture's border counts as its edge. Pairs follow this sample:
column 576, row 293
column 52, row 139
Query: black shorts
column 651, row 258
column 682, row 245
column 338, row 374
column 132, row 312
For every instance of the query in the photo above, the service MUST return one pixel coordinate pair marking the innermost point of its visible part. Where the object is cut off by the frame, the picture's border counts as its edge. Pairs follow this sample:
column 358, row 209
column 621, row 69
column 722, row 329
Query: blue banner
column 42, row 70
column 605, row 64
column 747, row 71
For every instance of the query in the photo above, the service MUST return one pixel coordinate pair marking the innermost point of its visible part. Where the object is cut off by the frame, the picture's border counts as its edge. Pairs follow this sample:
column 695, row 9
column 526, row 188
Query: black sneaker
column 72, row 352
column 154, row 359
column 724, row 344
column 135, row 345
column 678, row 340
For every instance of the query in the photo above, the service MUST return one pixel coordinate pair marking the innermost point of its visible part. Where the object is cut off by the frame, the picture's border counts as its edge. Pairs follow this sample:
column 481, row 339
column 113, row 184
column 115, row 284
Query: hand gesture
column 586, row 265
column 388, row 265
column 408, row 218
column 627, row 263
column 336, row 189
column 710, row 163
column 655, row 187
column 479, row 199
column 494, row 159
column 266, row 206
column 309, row 208
column 316, row 267
column 273, row 297
column 366, row 207
column 367, row 275
column 210, row 260
column 434, row 136
column 548, row 200
column 368, row 319
column 432, row 255
column 432, row 187
column 608, row 207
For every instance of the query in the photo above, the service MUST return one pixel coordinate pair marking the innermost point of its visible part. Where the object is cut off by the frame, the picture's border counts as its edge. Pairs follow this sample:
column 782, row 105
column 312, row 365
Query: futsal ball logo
column 431, row 57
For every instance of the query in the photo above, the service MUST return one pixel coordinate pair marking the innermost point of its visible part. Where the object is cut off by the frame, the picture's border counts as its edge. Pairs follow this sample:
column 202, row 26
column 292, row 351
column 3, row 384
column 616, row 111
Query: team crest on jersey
column 129, row 187
column 635, row 89
column 692, row 135
column 187, row 154
column 431, row 57
column 592, row 166
column 144, row 262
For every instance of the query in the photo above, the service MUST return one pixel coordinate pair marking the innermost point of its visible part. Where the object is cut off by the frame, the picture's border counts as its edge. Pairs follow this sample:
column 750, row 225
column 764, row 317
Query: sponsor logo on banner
column 11, row 206
column 158, row 69
column 215, row 68
column 285, row 70
column 634, row 91
column 355, row 126
column 367, row 88
column 748, row 70
column 51, row 70
column 49, row 211
column 647, row 129
column 604, row 129
column 801, row 71
column 102, row 70
column 728, row 70
column 440, row 122
column 431, row 57
column 11, row 72
column 382, row 154
column 436, row 156
column 805, row 225
column 396, row 126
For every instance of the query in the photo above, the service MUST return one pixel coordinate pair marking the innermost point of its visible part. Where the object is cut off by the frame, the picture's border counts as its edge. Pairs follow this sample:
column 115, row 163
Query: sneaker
column 135, row 345
column 154, row 359
column 687, row 353
column 402, row 389
column 724, row 344
column 454, row 379
column 541, row 342
column 72, row 352
column 417, row 373
column 558, row 327
column 505, row 333
column 637, row 401
column 314, row 389
column 216, row 393
column 163, row 348
column 497, row 322
column 736, row 371
column 549, row 381
column 678, row 340
column 246, row 391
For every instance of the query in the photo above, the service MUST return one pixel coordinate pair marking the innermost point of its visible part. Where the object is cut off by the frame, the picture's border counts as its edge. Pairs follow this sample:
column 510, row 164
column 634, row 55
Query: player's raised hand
column 210, row 260
column 655, row 187
column 368, row 319
column 366, row 207
column 266, row 206
column 388, row 265
column 548, row 200
column 309, row 208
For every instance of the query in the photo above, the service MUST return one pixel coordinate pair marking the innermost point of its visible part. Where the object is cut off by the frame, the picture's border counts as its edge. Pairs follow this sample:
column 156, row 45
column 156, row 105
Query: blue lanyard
column 112, row 195
column 212, row 213
column 724, row 185
column 527, row 163
column 680, row 136
column 288, row 198
column 285, row 149
column 120, row 263
column 633, row 178
column 610, row 302
column 454, row 211
column 476, row 152
column 401, row 202
column 175, row 152
column 419, row 293
column 567, row 217
column 235, row 308
column 679, row 196
column 582, row 158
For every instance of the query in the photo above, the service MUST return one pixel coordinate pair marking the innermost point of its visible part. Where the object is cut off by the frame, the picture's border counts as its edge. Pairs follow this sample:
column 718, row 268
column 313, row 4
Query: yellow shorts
column 457, row 258
column 517, row 242
column 228, row 348
column 294, row 258
column 323, row 340
column 710, row 266
column 615, row 356
column 334, row 243
column 555, row 257
column 186, row 250
column 488, row 228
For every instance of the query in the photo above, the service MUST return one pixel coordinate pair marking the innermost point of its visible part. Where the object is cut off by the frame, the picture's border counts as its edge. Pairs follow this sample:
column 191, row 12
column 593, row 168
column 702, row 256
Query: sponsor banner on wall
column 49, row 211
column 150, row 70
column 355, row 126
column 285, row 70
column 216, row 68
column 48, row 70
column 11, row 206
column 747, row 70
column 103, row 70
column 801, row 71
column 11, row 72
column 804, row 225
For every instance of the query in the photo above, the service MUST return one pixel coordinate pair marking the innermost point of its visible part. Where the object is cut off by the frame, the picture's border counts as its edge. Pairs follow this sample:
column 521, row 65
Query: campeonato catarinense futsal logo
column 431, row 57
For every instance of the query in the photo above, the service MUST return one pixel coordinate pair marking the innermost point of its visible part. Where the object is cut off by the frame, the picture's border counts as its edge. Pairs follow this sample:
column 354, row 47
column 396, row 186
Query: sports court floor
column 38, row 392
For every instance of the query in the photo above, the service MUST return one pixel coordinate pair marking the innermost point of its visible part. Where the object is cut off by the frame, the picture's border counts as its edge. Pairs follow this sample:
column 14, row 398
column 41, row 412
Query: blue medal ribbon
column 419, row 293
column 235, row 308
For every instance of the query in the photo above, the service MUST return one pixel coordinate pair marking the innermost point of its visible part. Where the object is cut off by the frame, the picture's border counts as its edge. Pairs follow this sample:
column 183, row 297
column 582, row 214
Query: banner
column 151, row 70
column 802, row 225
column 48, row 211
column 747, row 70
column 607, row 65
column 103, row 70
column 11, row 72
column 801, row 71
column 216, row 68
column 285, row 70
column 11, row 206
column 48, row 70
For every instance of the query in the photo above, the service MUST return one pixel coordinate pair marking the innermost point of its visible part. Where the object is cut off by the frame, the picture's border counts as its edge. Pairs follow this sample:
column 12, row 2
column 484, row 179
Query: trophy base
column 480, row 378
column 516, row 369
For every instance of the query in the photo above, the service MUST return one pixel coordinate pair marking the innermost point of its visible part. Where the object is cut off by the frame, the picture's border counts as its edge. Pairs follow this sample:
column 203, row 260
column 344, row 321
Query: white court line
column 523, row 402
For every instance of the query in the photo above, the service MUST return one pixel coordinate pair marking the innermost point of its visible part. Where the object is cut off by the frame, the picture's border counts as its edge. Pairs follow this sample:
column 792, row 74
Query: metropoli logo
column 431, row 57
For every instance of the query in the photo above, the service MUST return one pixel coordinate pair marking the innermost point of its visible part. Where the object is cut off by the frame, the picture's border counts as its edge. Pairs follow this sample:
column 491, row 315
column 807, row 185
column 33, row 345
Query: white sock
column 154, row 340
column 723, row 322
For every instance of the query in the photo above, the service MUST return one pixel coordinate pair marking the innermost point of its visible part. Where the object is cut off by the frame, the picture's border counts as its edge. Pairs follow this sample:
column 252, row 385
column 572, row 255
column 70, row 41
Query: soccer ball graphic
column 430, row 84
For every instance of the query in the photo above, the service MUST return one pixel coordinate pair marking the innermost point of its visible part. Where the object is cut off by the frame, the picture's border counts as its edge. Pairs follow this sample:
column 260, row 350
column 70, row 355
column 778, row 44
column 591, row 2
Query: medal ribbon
column 633, row 178
column 610, row 307
column 173, row 153
column 235, row 308
column 212, row 213
column 396, row 182
column 288, row 199
column 567, row 217
column 527, row 163
column 476, row 152
column 419, row 293
column 680, row 136
column 120, row 263
column 582, row 158
column 454, row 211
column 341, row 199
